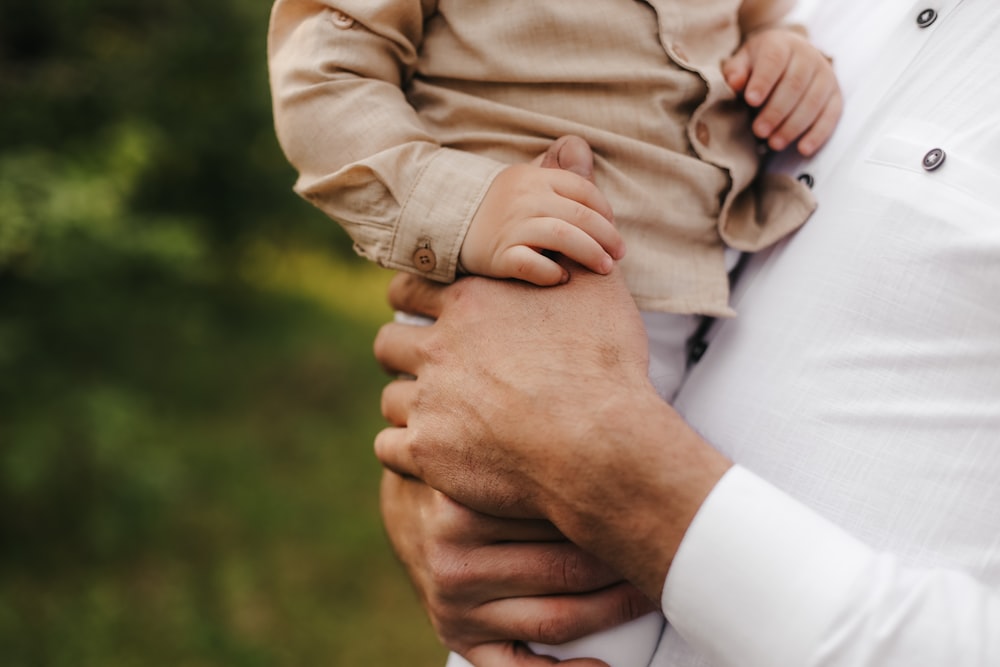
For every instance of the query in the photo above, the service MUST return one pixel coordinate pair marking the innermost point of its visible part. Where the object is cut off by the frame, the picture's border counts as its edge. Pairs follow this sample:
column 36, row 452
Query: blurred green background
column 187, row 392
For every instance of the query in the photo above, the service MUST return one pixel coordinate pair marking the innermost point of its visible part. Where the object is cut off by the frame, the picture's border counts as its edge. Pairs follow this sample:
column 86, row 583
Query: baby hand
column 529, row 209
column 792, row 83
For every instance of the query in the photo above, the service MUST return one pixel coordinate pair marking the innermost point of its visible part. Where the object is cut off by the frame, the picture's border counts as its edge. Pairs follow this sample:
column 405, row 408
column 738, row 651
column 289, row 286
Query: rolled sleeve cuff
column 759, row 577
column 437, row 211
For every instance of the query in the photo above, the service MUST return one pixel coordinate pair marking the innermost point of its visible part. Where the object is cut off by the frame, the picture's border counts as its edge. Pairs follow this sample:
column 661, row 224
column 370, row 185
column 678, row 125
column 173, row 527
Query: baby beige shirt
column 398, row 114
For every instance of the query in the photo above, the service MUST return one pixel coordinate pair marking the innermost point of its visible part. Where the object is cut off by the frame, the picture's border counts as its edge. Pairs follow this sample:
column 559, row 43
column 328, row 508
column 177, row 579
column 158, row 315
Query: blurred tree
column 185, row 80
column 186, row 401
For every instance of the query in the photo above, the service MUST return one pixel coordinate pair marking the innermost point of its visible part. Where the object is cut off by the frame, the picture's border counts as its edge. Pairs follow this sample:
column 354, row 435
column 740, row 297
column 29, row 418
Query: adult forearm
column 635, row 510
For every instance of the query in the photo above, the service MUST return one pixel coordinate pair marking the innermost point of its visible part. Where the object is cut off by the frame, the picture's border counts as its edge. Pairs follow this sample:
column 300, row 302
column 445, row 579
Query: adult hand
column 534, row 403
column 484, row 580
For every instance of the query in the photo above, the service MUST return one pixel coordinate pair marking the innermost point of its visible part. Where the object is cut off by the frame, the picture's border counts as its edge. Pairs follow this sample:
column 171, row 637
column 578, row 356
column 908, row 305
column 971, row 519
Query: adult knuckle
column 419, row 446
column 449, row 576
column 381, row 435
column 405, row 291
column 506, row 499
column 379, row 346
column 565, row 570
column 554, row 629
column 384, row 405
column 449, row 518
column 447, row 625
column 570, row 571
column 631, row 606
column 398, row 288
column 466, row 295
column 432, row 349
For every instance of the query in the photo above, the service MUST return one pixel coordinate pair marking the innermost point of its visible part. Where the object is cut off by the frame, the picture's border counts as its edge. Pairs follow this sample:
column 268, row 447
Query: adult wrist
column 655, row 475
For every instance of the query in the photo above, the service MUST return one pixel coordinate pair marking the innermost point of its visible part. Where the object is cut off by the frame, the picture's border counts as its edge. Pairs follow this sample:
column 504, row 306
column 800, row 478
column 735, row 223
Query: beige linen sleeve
column 338, row 69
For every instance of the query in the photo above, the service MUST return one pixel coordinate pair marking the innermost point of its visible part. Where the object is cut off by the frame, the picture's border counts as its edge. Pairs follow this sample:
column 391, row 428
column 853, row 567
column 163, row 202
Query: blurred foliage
column 187, row 394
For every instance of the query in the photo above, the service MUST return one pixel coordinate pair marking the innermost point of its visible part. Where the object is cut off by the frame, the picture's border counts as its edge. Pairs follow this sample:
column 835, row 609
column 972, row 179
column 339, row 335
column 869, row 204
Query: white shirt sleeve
column 760, row 580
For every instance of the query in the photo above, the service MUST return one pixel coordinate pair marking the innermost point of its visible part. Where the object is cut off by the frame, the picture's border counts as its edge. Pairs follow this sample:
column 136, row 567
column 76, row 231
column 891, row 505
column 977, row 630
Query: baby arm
column 363, row 153
column 529, row 209
column 789, row 80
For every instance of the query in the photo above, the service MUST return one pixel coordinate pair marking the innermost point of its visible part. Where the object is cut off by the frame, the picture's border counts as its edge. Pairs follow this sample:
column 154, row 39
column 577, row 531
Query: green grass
column 187, row 472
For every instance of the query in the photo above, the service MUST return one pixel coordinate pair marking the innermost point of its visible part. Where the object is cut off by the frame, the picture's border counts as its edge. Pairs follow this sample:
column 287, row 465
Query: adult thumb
column 571, row 153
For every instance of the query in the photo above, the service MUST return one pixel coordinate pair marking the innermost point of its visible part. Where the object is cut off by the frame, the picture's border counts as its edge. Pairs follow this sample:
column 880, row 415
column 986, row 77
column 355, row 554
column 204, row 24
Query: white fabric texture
column 861, row 379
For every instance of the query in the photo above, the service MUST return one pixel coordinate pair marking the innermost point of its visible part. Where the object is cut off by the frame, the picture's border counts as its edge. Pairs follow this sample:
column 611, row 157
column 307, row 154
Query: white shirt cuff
column 759, row 577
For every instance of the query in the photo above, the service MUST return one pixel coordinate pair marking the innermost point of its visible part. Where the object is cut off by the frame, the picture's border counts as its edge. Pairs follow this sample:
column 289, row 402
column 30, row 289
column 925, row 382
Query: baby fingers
column 526, row 262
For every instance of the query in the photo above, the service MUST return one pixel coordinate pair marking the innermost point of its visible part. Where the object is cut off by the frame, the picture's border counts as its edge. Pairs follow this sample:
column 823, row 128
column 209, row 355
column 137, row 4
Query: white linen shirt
column 858, row 391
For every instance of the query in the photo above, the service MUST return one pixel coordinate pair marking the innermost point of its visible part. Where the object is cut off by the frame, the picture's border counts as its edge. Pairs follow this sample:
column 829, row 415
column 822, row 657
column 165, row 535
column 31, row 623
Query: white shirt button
column 933, row 159
column 926, row 18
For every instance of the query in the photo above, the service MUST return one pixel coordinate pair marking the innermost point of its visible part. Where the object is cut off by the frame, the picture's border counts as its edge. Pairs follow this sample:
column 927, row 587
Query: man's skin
column 484, row 579
column 534, row 403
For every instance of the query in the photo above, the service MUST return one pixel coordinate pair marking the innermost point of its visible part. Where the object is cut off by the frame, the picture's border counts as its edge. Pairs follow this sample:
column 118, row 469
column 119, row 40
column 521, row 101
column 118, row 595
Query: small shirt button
column 696, row 350
column 926, row 18
column 342, row 20
column 702, row 134
column 424, row 259
column 806, row 180
column 933, row 159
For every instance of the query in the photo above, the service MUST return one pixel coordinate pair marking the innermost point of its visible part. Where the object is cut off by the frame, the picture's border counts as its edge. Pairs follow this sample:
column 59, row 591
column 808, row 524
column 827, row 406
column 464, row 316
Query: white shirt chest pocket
column 946, row 177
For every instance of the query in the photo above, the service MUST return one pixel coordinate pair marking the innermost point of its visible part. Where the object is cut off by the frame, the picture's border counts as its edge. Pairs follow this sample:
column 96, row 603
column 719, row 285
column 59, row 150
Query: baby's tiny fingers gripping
column 574, row 188
column 822, row 129
column 526, row 263
column 598, row 227
column 768, row 60
column 802, row 114
column 736, row 69
column 557, row 235
column 785, row 97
